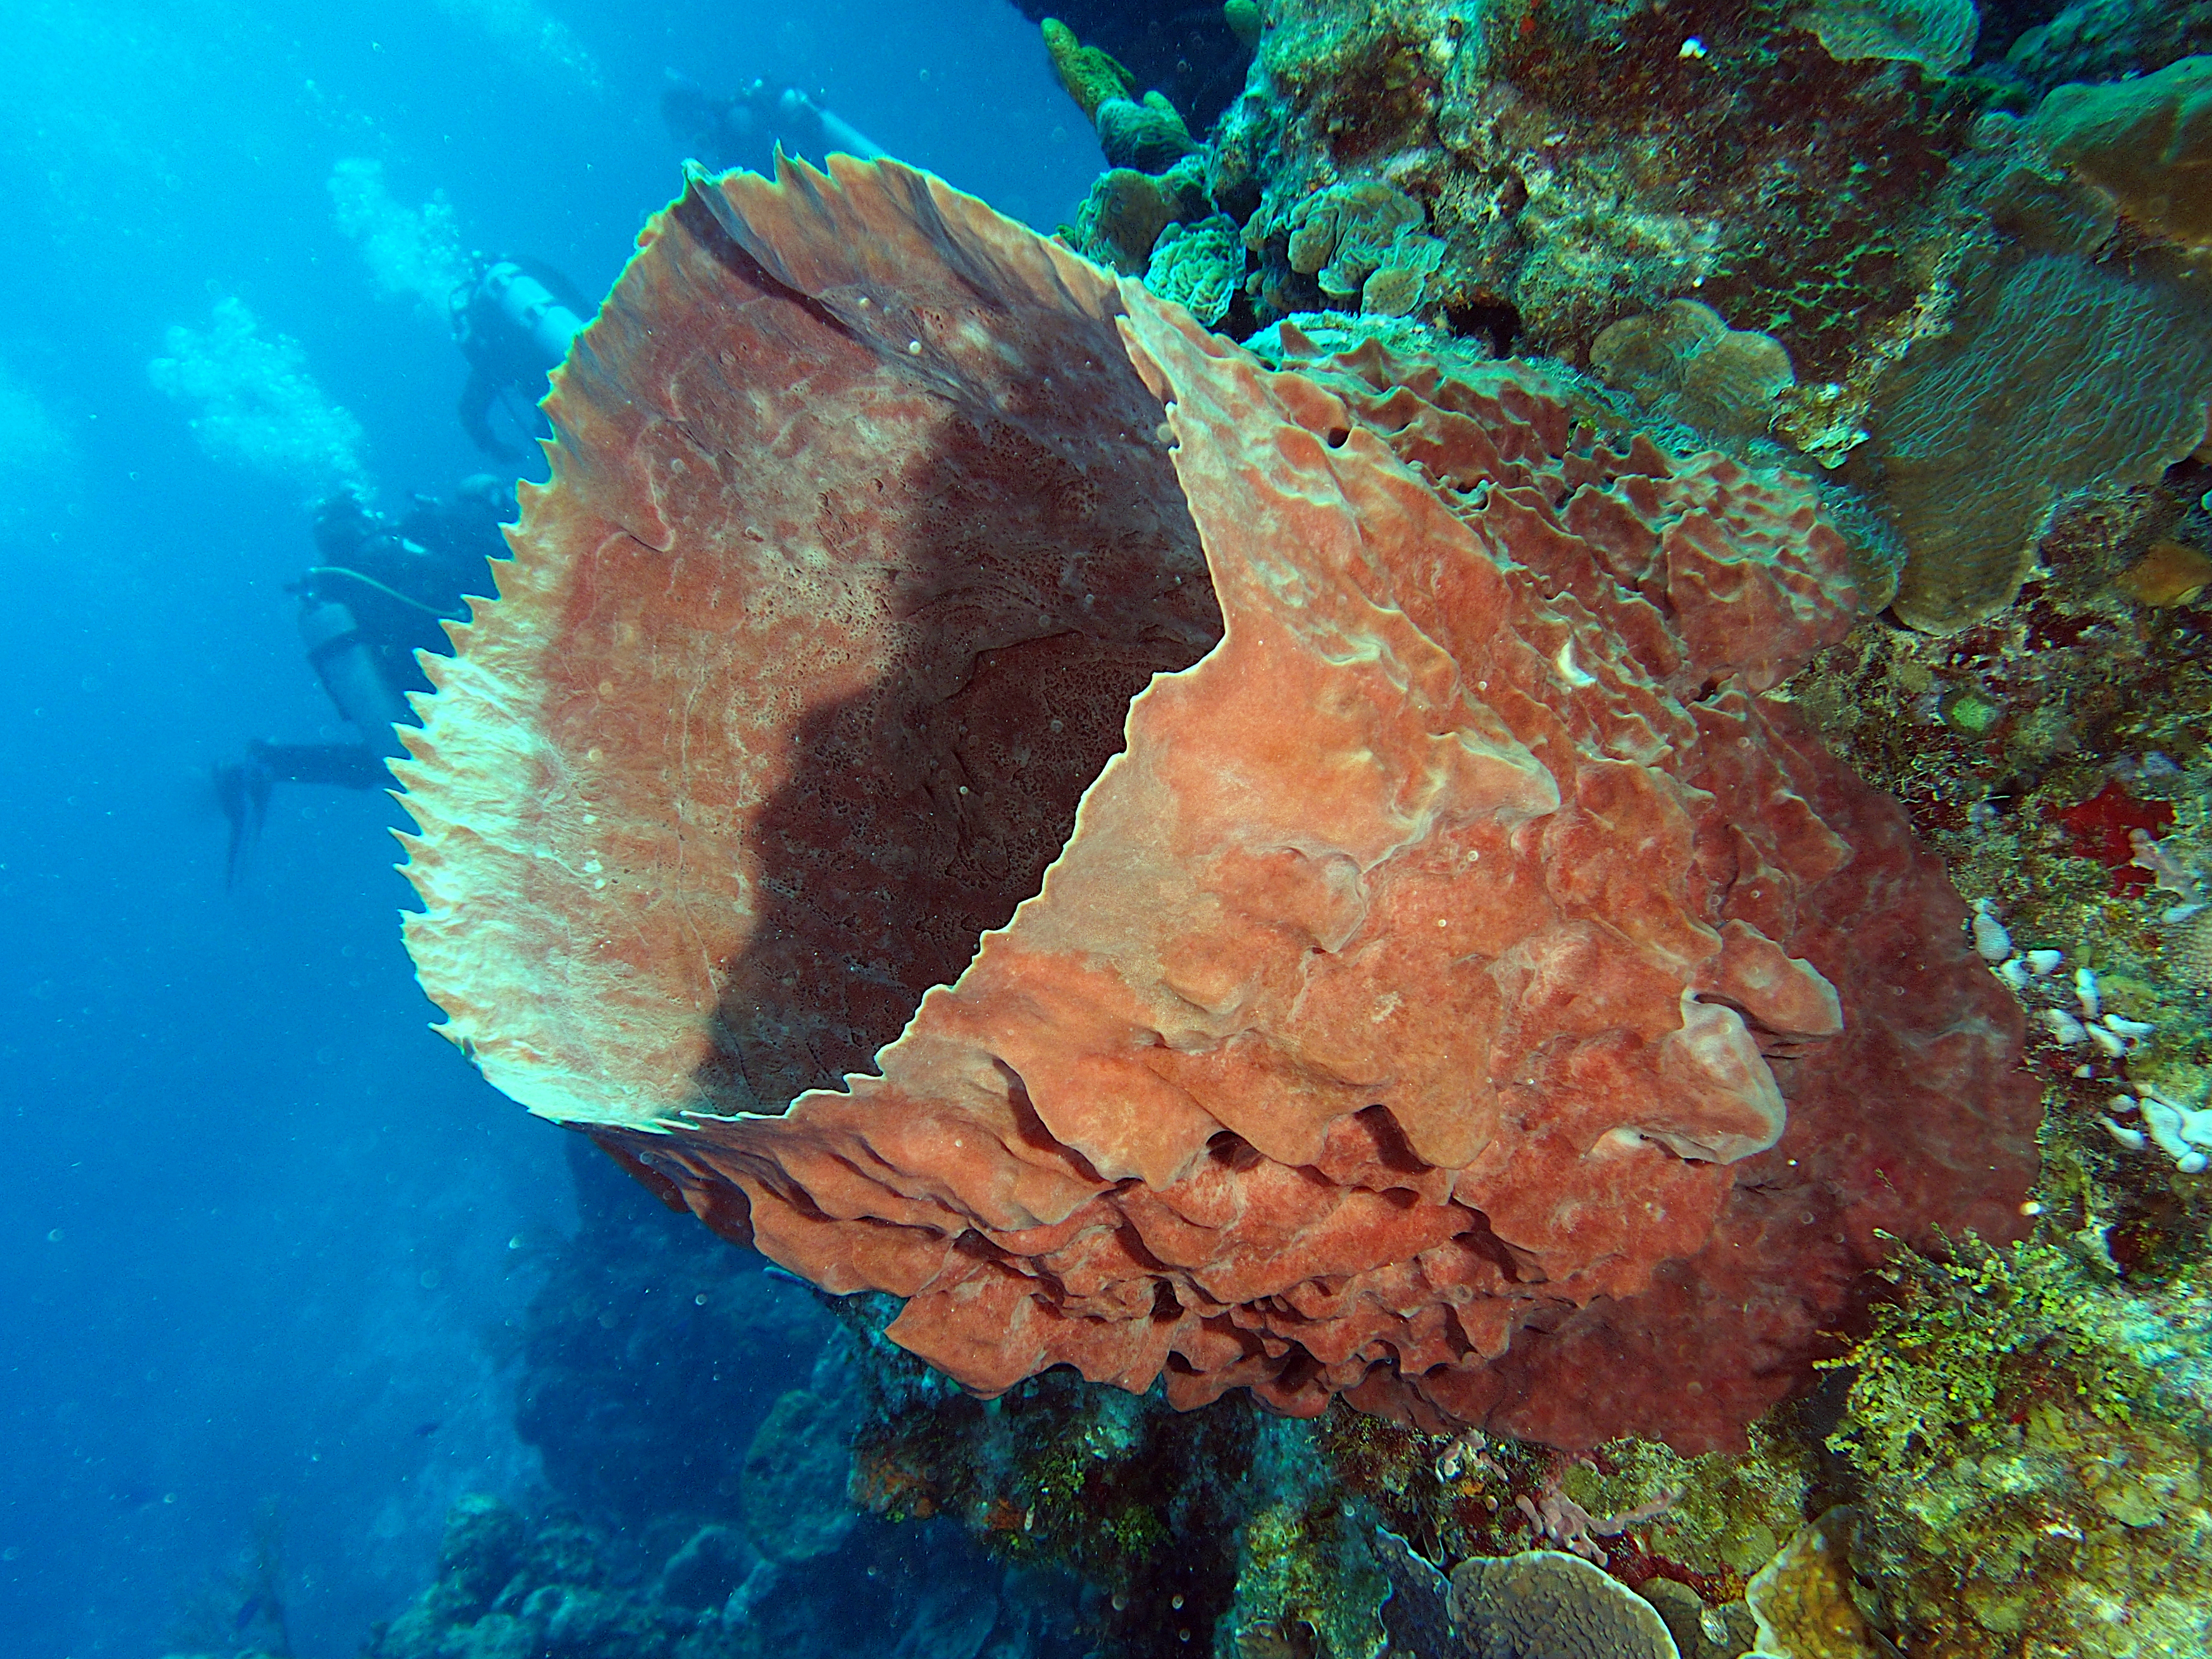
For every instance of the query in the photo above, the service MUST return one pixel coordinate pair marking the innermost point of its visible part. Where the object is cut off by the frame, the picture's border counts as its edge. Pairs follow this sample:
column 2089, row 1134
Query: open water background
column 263, row 1238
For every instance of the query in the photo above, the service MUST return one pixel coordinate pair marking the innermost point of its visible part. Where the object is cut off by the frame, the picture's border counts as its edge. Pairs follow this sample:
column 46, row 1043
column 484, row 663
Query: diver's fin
column 241, row 788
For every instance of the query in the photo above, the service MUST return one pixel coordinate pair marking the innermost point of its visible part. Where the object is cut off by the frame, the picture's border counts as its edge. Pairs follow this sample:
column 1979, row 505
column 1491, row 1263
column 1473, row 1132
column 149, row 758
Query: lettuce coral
column 2147, row 141
column 1364, row 240
column 1686, row 361
column 1939, row 35
column 2057, row 374
column 1330, row 906
column 1199, row 267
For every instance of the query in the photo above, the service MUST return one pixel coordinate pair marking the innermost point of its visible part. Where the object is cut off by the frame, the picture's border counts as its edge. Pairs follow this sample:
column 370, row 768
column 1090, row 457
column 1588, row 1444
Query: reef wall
column 1100, row 766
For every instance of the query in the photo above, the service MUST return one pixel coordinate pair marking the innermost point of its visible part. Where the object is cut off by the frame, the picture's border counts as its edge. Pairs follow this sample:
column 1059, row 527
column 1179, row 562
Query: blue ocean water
column 264, row 1239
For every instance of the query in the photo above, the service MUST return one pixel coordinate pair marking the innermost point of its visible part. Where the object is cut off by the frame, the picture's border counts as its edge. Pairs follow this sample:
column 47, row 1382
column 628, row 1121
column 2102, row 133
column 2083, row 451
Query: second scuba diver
column 379, row 591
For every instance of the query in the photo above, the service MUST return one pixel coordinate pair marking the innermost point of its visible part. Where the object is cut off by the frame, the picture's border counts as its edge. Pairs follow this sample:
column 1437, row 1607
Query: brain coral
column 1453, row 984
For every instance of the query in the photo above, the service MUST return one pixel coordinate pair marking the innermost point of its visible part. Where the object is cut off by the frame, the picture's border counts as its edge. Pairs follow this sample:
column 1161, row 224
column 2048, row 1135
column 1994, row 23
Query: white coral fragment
column 2086, row 991
column 2182, row 1134
column 2064, row 1028
column 1990, row 938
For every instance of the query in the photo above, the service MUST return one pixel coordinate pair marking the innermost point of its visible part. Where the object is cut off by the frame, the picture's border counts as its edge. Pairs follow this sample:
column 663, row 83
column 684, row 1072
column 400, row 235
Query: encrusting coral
column 1464, row 991
column 2059, row 373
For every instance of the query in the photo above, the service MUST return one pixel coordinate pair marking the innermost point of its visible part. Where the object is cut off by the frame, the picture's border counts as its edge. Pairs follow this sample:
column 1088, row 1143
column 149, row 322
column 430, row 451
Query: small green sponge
column 1091, row 76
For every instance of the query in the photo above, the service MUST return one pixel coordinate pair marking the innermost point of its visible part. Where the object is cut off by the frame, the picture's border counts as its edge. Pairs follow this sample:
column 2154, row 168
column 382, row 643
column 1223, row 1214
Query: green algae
column 2024, row 1474
column 1973, row 1343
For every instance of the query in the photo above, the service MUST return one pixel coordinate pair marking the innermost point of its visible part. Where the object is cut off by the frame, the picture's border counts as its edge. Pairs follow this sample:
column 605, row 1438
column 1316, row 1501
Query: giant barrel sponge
column 1210, row 875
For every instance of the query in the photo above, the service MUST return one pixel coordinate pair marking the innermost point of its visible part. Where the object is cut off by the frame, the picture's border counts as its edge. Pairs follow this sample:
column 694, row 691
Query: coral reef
column 1944, row 300
column 649, row 1360
column 686, row 1518
column 1586, row 164
column 1168, row 1516
column 1198, row 1111
column 508, row 1589
column 2023, row 1486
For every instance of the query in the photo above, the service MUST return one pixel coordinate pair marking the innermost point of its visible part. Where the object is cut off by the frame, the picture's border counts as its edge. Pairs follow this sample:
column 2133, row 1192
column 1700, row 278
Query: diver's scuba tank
column 351, row 672
column 796, row 111
column 529, row 304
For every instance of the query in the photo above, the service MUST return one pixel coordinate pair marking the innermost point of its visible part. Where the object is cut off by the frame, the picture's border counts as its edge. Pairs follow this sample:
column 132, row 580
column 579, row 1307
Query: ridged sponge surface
column 1330, row 904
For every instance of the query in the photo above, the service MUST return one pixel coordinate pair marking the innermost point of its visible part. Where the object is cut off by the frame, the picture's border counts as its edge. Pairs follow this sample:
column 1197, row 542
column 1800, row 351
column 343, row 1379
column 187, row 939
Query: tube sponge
column 1091, row 74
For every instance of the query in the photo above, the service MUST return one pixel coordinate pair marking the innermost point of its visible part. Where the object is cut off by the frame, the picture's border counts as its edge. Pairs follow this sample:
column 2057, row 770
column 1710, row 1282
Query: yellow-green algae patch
column 2028, row 1484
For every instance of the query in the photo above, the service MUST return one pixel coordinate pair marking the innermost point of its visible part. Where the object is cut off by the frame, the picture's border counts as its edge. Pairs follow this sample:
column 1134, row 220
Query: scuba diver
column 379, row 591
column 513, row 321
column 750, row 125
